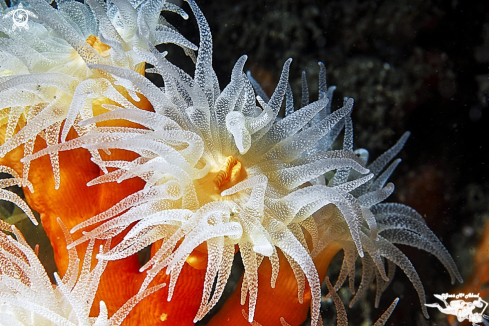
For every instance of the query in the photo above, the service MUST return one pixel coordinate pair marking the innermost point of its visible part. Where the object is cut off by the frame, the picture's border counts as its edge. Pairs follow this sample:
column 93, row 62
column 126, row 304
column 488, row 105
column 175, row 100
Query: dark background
column 415, row 65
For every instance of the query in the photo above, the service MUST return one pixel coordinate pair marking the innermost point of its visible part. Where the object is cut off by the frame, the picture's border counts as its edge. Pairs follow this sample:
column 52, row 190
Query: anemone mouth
column 225, row 176
column 98, row 45
column 231, row 173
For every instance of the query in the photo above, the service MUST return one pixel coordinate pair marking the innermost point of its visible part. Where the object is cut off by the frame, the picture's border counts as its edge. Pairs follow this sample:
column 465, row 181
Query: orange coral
column 284, row 293
column 75, row 202
column 221, row 173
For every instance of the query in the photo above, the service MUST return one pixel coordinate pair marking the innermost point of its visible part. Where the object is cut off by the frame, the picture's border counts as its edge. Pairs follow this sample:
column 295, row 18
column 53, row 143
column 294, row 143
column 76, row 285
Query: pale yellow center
column 229, row 174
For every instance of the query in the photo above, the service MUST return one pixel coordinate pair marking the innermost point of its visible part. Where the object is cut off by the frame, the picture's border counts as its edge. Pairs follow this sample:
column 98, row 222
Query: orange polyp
column 75, row 202
column 275, row 303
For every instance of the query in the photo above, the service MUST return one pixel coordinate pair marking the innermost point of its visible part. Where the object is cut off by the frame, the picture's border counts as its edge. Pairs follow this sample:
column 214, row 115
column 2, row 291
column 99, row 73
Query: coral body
column 199, row 174
column 26, row 288
column 292, row 311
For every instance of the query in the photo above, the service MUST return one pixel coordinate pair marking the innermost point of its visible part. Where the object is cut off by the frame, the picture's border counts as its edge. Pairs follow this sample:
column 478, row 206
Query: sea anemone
column 224, row 171
column 45, row 81
column 28, row 297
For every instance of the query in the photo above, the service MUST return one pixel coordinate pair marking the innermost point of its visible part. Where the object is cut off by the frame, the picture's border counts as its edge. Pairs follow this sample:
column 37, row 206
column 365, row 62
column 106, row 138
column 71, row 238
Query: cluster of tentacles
column 197, row 173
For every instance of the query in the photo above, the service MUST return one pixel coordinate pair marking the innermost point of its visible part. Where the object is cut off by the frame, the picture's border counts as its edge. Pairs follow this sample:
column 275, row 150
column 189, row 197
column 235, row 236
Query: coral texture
column 195, row 172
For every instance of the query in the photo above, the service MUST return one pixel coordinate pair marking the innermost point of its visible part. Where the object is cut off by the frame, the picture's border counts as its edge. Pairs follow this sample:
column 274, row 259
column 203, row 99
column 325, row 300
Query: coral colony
column 200, row 173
